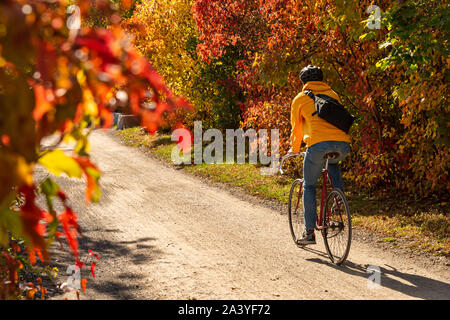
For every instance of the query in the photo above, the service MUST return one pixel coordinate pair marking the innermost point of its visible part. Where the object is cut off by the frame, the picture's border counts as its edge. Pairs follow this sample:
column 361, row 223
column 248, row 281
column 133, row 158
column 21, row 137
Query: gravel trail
column 163, row 234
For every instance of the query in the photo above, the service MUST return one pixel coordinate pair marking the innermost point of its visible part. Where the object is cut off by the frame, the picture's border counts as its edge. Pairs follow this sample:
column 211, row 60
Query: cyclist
column 320, row 138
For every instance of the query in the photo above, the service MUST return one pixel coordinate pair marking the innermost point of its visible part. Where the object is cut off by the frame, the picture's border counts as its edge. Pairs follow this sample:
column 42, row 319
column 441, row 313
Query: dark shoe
column 307, row 238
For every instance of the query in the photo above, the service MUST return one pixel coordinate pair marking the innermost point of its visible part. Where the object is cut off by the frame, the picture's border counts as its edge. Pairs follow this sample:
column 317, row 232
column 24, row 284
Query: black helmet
column 311, row 73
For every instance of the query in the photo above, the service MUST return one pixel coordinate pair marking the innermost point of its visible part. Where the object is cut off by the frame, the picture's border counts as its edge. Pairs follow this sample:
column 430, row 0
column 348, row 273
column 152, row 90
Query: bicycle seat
column 331, row 155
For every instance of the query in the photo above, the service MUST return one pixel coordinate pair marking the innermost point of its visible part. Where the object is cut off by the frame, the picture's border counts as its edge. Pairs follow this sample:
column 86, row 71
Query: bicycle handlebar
column 290, row 155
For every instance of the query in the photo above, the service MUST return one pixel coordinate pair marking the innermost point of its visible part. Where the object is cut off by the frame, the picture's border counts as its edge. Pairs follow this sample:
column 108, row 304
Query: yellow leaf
column 15, row 171
column 58, row 162
column 90, row 107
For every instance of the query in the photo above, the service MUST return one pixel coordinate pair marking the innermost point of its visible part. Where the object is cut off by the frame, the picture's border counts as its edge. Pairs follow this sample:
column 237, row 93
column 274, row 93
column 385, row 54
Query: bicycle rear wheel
column 295, row 207
column 337, row 227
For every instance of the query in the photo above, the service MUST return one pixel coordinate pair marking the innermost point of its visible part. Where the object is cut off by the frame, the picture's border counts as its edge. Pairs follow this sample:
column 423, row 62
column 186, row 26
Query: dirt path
column 162, row 234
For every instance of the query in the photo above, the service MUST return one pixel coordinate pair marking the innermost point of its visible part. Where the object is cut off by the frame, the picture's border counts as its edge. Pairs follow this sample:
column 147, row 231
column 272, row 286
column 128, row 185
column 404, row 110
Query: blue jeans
column 312, row 168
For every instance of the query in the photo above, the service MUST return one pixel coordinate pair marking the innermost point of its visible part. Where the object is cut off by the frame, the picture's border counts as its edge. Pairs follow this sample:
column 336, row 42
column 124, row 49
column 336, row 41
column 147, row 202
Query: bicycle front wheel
column 337, row 227
column 295, row 207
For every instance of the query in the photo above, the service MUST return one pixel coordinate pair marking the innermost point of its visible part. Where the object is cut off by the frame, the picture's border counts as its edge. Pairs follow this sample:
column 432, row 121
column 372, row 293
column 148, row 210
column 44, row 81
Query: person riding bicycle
column 320, row 138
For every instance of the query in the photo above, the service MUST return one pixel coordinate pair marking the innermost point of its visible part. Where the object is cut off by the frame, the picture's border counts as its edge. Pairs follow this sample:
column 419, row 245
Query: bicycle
column 335, row 226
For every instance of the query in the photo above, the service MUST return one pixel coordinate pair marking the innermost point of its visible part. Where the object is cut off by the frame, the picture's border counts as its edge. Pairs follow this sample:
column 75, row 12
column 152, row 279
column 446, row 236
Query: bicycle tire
column 295, row 210
column 337, row 227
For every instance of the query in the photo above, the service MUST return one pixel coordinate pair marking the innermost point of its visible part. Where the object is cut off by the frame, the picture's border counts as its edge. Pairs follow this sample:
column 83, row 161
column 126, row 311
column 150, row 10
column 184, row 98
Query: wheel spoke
column 337, row 236
column 296, row 217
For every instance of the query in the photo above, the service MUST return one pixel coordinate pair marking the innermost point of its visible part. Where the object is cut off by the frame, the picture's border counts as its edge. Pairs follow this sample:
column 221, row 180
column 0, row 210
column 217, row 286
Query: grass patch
column 424, row 225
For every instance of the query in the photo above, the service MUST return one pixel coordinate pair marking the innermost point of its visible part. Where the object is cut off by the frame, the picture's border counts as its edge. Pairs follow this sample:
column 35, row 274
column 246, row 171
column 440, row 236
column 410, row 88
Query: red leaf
column 93, row 269
column 5, row 140
column 70, row 227
column 79, row 264
column 39, row 253
column 155, row 79
column 99, row 43
column 92, row 253
column 31, row 216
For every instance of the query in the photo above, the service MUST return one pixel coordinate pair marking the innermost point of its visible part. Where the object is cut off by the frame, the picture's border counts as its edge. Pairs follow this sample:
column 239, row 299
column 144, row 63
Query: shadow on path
column 114, row 276
column 412, row 285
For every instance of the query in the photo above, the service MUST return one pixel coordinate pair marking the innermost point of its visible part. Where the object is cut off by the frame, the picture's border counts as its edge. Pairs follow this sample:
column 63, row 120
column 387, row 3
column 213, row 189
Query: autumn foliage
column 167, row 34
column 237, row 61
column 60, row 81
column 392, row 77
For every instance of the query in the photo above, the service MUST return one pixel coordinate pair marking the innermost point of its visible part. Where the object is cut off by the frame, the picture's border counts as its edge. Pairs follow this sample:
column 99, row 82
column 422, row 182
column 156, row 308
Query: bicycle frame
column 326, row 177
column 330, row 220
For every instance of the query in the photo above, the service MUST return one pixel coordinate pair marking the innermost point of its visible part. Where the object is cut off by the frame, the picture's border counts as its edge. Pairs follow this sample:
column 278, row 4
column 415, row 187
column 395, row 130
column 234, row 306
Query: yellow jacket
column 308, row 128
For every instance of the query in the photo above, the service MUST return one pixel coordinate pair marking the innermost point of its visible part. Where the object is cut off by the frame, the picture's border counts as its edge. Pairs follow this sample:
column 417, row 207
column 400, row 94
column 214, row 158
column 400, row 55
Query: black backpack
column 331, row 111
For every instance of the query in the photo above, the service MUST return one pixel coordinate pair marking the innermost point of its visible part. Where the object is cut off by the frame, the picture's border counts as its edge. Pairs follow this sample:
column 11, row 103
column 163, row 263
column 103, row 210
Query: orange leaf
column 31, row 256
column 42, row 105
column 83, row 284
column 43, row 292
column 107, row 116
column 92, row 174
column 47, row 216
column 31, row 293
column 126, row 4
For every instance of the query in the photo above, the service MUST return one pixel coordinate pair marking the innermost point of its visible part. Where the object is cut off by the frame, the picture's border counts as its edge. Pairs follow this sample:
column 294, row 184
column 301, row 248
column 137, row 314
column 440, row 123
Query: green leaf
column 95, row 175
column 367, row 36
column 58, row 162
column 9, row 223
column 49, row 187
